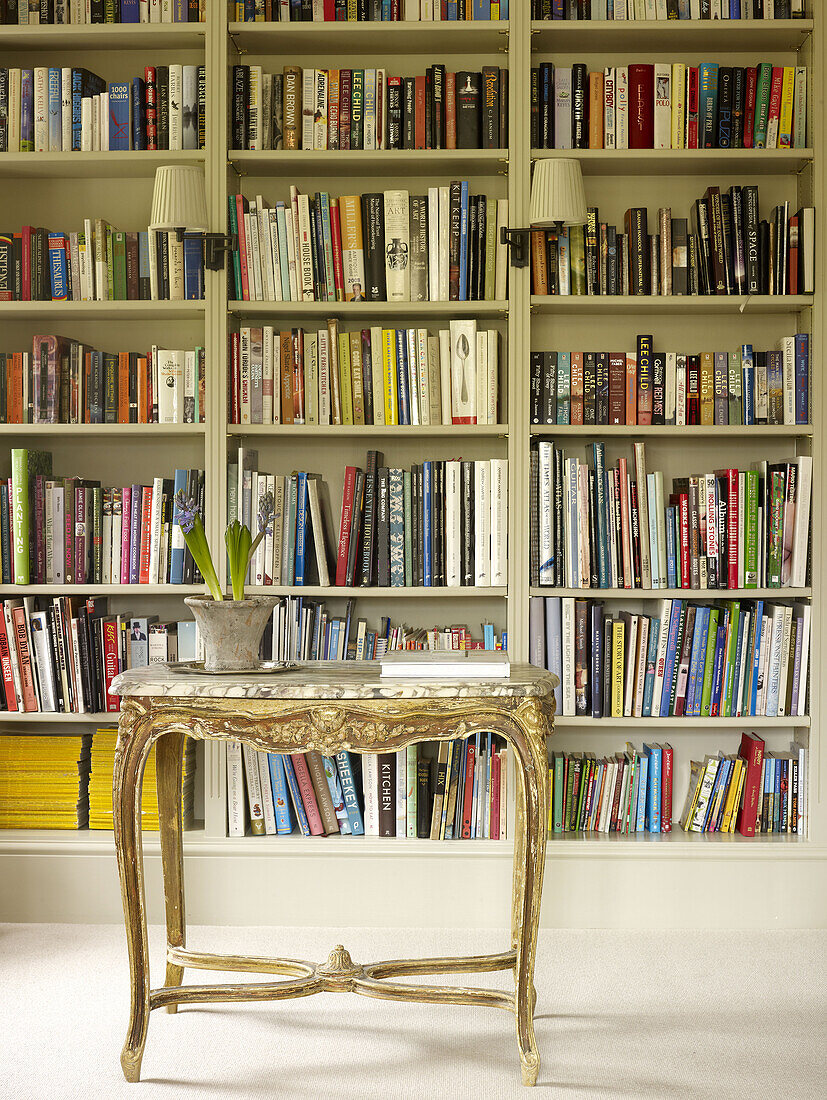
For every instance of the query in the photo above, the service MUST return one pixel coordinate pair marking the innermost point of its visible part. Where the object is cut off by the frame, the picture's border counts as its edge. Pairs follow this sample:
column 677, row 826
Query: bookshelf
column 768, row 879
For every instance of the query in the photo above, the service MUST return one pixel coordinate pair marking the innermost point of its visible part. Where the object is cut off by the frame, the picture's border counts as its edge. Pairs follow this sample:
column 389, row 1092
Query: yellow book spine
column 738, row 795
column 389, row 376
column 707, row 388
column 731, row 793
column 357, row 378
column 345, row 387
column 618, row 641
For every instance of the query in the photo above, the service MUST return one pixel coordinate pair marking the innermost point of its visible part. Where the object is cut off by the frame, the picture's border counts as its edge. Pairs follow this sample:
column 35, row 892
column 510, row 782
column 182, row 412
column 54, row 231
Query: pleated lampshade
column 179, row 199
column 557, row 193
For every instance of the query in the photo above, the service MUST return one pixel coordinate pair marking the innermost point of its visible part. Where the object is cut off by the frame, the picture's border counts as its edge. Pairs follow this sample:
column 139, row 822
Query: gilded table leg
column 531, row 799
column 130, row 758
column 169, row 766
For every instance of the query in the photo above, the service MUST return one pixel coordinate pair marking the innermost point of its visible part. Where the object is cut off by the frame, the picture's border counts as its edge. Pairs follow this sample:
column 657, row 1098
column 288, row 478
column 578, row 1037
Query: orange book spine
column 146, row 507
column 595, row 110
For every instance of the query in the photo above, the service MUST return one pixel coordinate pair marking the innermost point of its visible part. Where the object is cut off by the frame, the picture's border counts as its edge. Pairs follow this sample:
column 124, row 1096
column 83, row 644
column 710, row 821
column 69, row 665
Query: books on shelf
column 667, row 9
column 99, row 264
column 60, row 654
column 376, row 375
column 669, row 106
column 388, row 246
column 45, row 781
column 63, row 381
column 462, row 664
column 647, row 387
column 71, row 530
column 328, row 11
column 740, row 658
column 601, row 526
column 626, row 793
column 450, row 790
column 724, row 247
column 763, row 792
column 368, row 109
column 100, row 784
column 20, row 12
column 65, row 109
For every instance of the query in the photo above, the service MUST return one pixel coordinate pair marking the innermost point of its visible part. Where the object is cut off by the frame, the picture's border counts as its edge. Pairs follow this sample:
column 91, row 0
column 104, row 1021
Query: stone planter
column 231, row 630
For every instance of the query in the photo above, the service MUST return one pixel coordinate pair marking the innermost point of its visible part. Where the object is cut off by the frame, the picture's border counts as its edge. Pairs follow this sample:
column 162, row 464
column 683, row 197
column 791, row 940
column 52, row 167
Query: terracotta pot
column 231, row 630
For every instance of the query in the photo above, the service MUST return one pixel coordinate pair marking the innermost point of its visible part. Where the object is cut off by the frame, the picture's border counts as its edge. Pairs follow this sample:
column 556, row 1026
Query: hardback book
column 460, row 664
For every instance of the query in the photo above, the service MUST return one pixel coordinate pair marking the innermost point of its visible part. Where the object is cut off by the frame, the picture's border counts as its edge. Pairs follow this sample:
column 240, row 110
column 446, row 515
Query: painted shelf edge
column 414, row 592
column 99, row 311
column 677, row 593
column 689, row 431
column 685, row 162
column 10, row 590
column 137, row 164
column 730, row 36
column 683, row 724
column 367, row 309
column 392, row 36
column 105, row 36
column 92, row 431
column 359, row 161
column 398, row 431
column 735, row 304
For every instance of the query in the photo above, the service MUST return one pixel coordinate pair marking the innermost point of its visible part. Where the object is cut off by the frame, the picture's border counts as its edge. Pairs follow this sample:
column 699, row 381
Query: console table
column 326, row 708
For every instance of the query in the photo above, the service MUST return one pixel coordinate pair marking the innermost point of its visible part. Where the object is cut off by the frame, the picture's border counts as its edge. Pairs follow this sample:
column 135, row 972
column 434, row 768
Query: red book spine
column 774, row 115
column 126, row 512
column 344, row 527
column 311, row 806
column 496, row 773
column 5, row 665
column 111, row 664
column 617, row 388
column 732, row 528
column 298, row 375
column 123, row 387
column 24, row 661
column 151, row 102
column 468, row 801
column 419, row 112
column 752, row 751
column 666, row 790
column 80, row 535
column 450, row 110
column 642, row 106
column 692, row 108
column 330, row 11
column 235, row 404
column 146, row 533
column 68, row 533
column 792, row 262
column 749, row 107
column 336, row 248
column 242, row 247
column 26, row 258
column 143, row 390
column 576, row 405
column 683, row 513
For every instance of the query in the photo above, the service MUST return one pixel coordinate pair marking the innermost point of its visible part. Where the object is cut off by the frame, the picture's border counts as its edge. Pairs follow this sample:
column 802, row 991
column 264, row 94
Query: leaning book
column 464, row 664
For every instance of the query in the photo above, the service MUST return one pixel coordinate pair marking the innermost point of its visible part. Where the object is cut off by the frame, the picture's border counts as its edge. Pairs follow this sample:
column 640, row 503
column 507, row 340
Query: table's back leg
column 130, row 758
column 169, row 767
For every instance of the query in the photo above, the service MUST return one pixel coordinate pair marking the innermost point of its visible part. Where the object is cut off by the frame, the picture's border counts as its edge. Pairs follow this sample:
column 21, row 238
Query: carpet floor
column 627, row 1015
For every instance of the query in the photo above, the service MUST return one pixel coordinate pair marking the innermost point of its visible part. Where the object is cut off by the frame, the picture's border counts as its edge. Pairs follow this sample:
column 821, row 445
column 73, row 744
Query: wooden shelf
column 302, row 39
column 103, row 311
column 141, row 432
column 115, row 36
column 358, row 162
column 650, row 36
column 368, row 431
column 683, row 724
column 677, row 304
column 180, row 590
column 416, row 592
column 690, row 431
column 359, row 310
column 681, row 162
column 107, row 165
column 702, row 594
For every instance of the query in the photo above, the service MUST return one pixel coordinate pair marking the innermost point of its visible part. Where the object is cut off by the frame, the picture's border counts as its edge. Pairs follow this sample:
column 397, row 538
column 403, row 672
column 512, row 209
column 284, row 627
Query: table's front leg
column 169, row 753
column 127, row 782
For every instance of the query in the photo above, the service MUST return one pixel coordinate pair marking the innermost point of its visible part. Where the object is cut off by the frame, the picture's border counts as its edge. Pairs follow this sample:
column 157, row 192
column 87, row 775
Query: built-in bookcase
column 119, row 187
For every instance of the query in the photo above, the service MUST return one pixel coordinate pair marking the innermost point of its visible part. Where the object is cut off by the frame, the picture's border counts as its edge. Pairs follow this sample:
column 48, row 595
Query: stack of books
column 385, row 246
column 61, row 110
column 45, row 781
column 368, row 109
column 100, row 784
column 373, row 376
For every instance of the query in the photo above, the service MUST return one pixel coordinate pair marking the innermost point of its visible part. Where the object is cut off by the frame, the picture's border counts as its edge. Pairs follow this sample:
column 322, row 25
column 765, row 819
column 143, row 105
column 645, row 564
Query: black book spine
column 640, row 275
column 468, row 110
column 579, row 108
column 596, row 669
column 602, row 387
column 368, row 556
column 589, row 388
column 729, row 243
column 438, row 125
column 162, row 92
column 387, row 794
column 764, row 255
column 241, row 79
column 373, row 222
column 467, row 524
column 454, row 219
column 749, row 203
column 429, row 107
column 110, row 408
column 408, row 112
column 490, row 107
column 548, row 407
column 592, row 257
column 421, row 533
column 546, row 92
column 658, row 387
column 725, row 102
column 739, row 262
column 482, row 216
column 473, row 250
column 534, row 110
column 164, row 239
column 594, row 577
column 535, row 387
column 739, row 89
column 439, row 523
column 423, row 797
column 395, row 134
column 383, row 566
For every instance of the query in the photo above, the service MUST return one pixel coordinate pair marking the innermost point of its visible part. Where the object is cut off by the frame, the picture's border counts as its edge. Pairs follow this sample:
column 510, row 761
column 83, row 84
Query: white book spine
column 663, row 106
column 401, row 792
column 176, row 107
column 452, row 522
column 567, row 631
column 305, row 249
column 268, row 289
column 370, row 792
column 660, row 660
column 311, row 379
column 433, row 244
column 267, row 804
column 444, row 374
column 320, row 112
column 678, row 137
column 482, row 524
column 15, row 76
column 481, row 402
column 622, row 106
column 545, row 498
column 423, row 376
column 253, row 790
column 275, row 254
column 268, row 402
column 609, row 90
column 444, row 221
column 493, row 376
column 499, row 521
column 308, row 104
column 155, row 530
column 324, row 376
column 801, row 702
column 397, row 246
column 801, row 525
column 41, row 110
column 413, row 376
column 66, row 110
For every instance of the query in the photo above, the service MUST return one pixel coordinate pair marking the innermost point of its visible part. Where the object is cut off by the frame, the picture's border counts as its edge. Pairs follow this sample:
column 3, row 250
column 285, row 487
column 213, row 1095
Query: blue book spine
column 756, row 657
column 671, row 553
column 336, row 796
column 27, row 111
column 402, row 376
column 651, row 659
column 640, row 816
column 707, row 103
column 503, row 9
column 482, row 9
column 427, row 519
column 354, row 813
column 657, row 580
column 671, row 656
column 55, row 132
column 463, row 243
column 654, row 754
column 748, row 383
column 77, row 95
column 734, row 9
column 296, row 794
column 488, row 636
column 119, row 117
column 176, row 556
column 281, row 796
column 57, row 267
column 130, row 11
column 301, row 526
column 802, row 378
column 717, row 669
column 193, row 270
column 386, row 11
column 557, row 11
column 138, row 124
column 698, row 647
column 333, row 641
column 452, row 10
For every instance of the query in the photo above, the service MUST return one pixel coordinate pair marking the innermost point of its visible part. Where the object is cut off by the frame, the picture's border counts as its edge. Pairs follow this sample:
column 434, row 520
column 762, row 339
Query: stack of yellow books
column 44, row 781
column 100, row 784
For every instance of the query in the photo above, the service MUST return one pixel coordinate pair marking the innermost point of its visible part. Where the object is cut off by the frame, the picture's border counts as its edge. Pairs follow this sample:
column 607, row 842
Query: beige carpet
column 628, row 1015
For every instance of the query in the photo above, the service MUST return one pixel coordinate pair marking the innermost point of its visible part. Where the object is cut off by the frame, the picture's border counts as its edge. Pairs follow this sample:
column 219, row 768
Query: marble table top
column 327, row 680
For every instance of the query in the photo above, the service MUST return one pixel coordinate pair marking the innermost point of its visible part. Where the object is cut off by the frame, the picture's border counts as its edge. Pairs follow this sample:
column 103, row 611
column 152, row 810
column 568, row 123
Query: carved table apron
column 326, row 708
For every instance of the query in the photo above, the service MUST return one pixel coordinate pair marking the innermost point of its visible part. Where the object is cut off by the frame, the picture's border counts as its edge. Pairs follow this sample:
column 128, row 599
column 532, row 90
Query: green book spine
column 20, row 513
column 706, row 691
column 762, row 106
column 345, row 379
column 406, row 492
column 775, row 530
column 110, row 263
column 119, row 264
column 729, row 668
column 558, row 792
column 236, row 268
column 490, row 250
column 585, row 779
column 751, row 530
column 631, row 800
column 577, row 252
column 573, row 764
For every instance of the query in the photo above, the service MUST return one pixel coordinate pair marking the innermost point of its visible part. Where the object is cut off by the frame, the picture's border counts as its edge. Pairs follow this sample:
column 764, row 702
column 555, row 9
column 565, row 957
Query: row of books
column 368, row 109
column 328, row 11
column 60, row 655
column 64, row 381
column 99, row 263
column 45, row 781
column 61, row 110
column 685, row 659
column 724, row 248
column 643, row 387
column 391, row 246
column 669, row 106
column 769, row 787
column 613, row 527
column 455, row 790
column 372, row 376
column 75, row 13
column 100, row 784
column 628, row 792
column 71, row 530
column 667, row 9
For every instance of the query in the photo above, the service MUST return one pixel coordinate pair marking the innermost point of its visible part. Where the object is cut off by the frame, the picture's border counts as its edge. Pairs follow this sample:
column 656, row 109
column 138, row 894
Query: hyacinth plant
column 239, row 542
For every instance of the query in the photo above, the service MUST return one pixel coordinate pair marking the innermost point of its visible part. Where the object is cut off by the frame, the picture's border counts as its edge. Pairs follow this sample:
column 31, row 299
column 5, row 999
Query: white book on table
column 453, row 664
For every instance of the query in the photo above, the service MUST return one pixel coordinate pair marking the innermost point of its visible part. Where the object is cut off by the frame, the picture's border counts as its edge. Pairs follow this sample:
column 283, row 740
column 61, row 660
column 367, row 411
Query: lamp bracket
column 216, row 247
column 518, row 241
